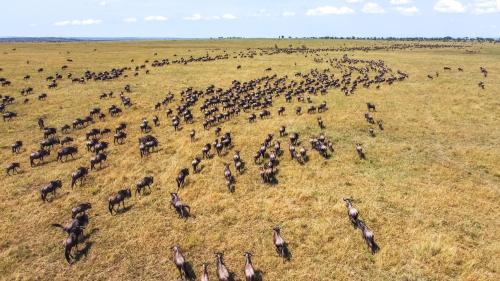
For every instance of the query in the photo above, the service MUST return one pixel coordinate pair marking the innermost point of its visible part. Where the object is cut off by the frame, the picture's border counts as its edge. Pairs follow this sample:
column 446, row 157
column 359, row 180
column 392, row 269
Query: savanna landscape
column 389, row 171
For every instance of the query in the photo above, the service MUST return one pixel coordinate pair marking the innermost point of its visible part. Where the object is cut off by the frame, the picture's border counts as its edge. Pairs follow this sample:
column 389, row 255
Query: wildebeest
column 249, row 270
column 368, row 237
column 180, row 207
column 119, row 137
column 80, row 174
column 147, row 181
column 49, row 132
column 351, row 212
column 370, row 106
column 222, row 271
column 279, row 243
column 38, row 155
column 179, row 261
column 16, row 146
column 12, row 167
column 204, row 274
column 7, row 116
column 360, row 151
column 98, row 159
column 50, row 188
column 48, row 143
column 181, row 177
column 80, row 208
column 65, row 151
column 41, row 123
column 118, row 198
column 66, row 140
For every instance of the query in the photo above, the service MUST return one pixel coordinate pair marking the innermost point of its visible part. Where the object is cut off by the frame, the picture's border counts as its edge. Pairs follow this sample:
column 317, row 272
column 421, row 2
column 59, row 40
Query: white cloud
column 408, row 11
column 228, row 16
column 400, row 2
column 329, row 10
column 77, row 22
column 449, row 6
column 486, row 6
column 103, row 3
column 288, row 14
column 262, row 13
column 197, row 17
column 155, row 18
column 353, row 1
column 130, row 19
column 372, row 8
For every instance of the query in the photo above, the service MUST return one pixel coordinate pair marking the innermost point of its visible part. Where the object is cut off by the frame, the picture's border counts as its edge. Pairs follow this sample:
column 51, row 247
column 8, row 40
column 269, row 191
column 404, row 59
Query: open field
column 428, row 188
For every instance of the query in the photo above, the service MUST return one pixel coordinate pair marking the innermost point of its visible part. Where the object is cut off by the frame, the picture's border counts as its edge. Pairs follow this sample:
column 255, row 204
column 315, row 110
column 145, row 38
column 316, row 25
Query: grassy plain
column 429, row 188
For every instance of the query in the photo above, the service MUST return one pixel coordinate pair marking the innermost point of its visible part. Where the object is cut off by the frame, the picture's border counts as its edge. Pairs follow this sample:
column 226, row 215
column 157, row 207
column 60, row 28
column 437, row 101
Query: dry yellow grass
column 429, row 189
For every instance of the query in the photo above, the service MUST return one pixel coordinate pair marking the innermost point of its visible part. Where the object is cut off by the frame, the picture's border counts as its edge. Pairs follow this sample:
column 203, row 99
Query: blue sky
column 254, row 18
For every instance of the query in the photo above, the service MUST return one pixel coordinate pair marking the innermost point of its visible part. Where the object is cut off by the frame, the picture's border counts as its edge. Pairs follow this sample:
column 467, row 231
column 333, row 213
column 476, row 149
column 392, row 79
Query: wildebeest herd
column 206, row 109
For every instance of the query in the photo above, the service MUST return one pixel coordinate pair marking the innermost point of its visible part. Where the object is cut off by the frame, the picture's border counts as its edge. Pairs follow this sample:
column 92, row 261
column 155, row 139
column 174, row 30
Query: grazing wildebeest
column 351, row 212
column 65, row 128
column 65, row 151
column 38, row 155
column 181, row 177
column 222, row 272
column 140, row 185
column 380, row 124
column 179, row 261
column 229, row 178
column 48, row 143
column 92, row 134
column 50, row 188
column 192, row 135
column 282, row 131
column 118, row 198
column 48, row 132
column 370, row 106
column 120, row 127
column 12, row 167
column 7, row 116
column 80, row 174
column 41, row 123
column 16, row 147
column 80, row 208
column 119, row 137
column 369, row 118
column 320, row 123
column 66, row 140
column 298, row 110
column 204, row 274
column 281, row 110
column 360, row 151
column 371, row 132
column 196, row 161
column 181, row 208
column 98, row 159
column 76, row 225
column 100, row 147
column 481, row 85
column 249, row 270
column 156, row 121
column 279, row 243
column 368, row 237
column 206, row 150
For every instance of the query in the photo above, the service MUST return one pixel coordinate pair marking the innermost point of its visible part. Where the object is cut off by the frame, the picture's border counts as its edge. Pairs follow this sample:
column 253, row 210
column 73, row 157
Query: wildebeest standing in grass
column 7, row 116
column 204, row 273
column 249, row 270
column 279, row 243
column 80, row 174
column 50, row 188
column 368, row 237
column 180, row 207
column 147, row 181
column 196, row 161
column 119, row 137
column 222, row 271
column 179, row 261
column 80, row 208
column 118, row 199
column 16, row 147
column 65, row 151
column 351, row 212
column 98, row 159
column 12, row 167
column 38, row 155
column 181, row 177
column 360, row 151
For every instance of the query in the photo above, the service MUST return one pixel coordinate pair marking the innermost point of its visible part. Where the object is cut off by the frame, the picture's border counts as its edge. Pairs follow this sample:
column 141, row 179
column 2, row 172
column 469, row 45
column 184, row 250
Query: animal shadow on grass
column 258, row 275
column 187, row 214
column 83, row 252
column 286, row 254
column 190, row 274
column 124, row 209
